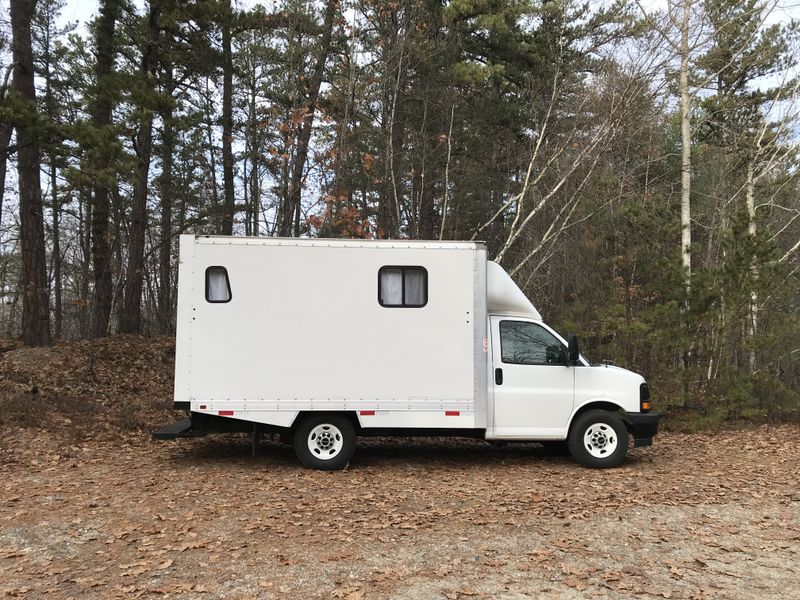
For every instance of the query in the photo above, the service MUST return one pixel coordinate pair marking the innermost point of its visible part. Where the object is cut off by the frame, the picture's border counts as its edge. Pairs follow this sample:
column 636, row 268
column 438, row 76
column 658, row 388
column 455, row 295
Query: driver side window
column 524, row 343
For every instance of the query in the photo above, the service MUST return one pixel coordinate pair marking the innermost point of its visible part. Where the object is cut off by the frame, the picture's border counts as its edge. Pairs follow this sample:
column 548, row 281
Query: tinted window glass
column 523, row 343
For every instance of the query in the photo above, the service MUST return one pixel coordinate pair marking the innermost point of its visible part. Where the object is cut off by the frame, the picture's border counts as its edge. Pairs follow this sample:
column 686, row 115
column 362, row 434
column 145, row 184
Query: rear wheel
column 325, row 442
column 598, row 439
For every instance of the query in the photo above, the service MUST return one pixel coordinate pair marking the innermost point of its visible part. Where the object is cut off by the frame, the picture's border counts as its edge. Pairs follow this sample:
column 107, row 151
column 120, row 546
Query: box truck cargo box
column 325, row 340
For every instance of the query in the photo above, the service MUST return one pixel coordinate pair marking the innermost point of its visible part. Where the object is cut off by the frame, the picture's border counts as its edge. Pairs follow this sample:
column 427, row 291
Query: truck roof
column 338, row 243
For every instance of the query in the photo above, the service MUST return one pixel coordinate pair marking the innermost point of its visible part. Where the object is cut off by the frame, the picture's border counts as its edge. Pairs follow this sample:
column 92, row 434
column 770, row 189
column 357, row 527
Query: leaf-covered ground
column 112, row 514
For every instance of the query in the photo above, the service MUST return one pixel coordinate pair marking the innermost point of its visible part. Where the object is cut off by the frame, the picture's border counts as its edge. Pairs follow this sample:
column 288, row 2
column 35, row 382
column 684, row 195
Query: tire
column 325, row 442
column 598, row 439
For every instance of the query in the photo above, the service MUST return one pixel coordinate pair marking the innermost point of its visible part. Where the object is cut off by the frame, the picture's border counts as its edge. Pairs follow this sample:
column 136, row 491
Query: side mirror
column 573, row 352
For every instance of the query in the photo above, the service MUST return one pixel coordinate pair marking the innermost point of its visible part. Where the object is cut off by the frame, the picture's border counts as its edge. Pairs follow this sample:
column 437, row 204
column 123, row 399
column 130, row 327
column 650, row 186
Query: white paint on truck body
column 304, row 330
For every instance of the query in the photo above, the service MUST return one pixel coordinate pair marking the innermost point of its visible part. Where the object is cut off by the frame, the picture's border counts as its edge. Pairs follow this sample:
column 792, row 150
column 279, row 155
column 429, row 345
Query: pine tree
column 101, row 152
column 35, row 301
column 147, row 104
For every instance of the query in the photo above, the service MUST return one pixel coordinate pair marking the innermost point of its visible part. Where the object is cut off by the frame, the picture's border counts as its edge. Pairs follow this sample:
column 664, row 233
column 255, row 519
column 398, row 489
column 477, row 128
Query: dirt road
column 695, row 516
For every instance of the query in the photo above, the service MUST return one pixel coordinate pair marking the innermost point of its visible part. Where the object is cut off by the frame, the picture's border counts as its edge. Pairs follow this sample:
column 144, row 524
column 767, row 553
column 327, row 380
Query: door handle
column 498, row 376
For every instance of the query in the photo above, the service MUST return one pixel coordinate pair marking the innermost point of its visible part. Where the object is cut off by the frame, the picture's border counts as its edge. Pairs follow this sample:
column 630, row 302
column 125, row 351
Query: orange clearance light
column 645, row 406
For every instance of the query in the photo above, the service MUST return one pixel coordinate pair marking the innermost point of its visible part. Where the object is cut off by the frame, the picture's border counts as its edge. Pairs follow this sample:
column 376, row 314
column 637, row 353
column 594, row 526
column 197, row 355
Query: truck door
column 534, row 389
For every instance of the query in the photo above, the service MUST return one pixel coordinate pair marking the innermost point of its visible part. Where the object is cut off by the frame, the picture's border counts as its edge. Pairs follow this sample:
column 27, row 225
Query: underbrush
column 736, row 401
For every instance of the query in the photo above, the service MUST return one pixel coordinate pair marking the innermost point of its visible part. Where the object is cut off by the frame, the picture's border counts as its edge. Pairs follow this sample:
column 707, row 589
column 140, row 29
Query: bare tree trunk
column 181, row 225
column 54, row 202
column 253, row 152
column 56, row 207
column 255, row 193
column 446, row 191
column 752, row 322
column 118, row 265
column 35, row 301
column 389, row 208
column 101, row 110
column 290, row 222
column 229, row 205
column 5, row 138
column 167, row 192
column 427, row 213
column 85, row 240
column 686, row 176
column 211, row 154
column 686, row 152
column 6, row 128
column 131, row 317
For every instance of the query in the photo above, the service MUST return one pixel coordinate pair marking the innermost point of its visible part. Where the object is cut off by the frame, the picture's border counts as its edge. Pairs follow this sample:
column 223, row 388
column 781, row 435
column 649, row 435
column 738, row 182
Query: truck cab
column 542, row 388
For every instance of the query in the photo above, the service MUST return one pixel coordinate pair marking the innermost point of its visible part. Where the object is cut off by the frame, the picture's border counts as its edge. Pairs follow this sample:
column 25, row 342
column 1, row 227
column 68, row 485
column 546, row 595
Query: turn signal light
column 644, row 397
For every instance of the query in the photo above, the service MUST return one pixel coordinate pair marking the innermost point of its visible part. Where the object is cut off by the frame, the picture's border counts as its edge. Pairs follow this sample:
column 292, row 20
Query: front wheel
column 325, row 442
column 598, row 439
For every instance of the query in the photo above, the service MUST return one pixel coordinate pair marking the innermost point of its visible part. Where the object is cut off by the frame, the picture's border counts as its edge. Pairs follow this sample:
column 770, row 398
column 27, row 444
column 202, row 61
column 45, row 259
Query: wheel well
column 609, row 406
column 348, row 414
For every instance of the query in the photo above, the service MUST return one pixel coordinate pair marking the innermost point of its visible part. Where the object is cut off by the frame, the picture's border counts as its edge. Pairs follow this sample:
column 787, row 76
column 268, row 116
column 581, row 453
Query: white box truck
column 322, row 341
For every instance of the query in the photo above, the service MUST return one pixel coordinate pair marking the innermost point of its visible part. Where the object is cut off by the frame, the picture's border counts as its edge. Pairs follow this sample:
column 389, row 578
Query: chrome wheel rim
column 325, row 441
column 600, row 440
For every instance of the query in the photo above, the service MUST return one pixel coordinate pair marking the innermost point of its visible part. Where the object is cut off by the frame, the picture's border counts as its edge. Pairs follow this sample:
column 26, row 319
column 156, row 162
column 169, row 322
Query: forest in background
column 635, row 170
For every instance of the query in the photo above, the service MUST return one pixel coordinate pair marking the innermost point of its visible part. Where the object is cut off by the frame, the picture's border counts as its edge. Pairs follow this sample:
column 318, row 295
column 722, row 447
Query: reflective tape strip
column 366, row 413
column 225, row 413
column 452, row 413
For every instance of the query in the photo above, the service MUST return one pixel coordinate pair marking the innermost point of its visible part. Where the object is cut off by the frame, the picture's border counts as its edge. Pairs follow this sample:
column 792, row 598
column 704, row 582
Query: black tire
column 332, row 444
column 607, row 442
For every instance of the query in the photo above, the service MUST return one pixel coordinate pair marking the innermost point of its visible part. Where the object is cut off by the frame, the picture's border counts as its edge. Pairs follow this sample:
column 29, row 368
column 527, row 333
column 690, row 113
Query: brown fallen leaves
column 412, row 518
column 110, row 514
column 95, row 387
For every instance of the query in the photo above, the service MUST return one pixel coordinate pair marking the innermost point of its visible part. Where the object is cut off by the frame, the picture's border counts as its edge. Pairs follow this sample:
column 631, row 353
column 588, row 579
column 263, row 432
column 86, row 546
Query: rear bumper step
column 181, row 429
